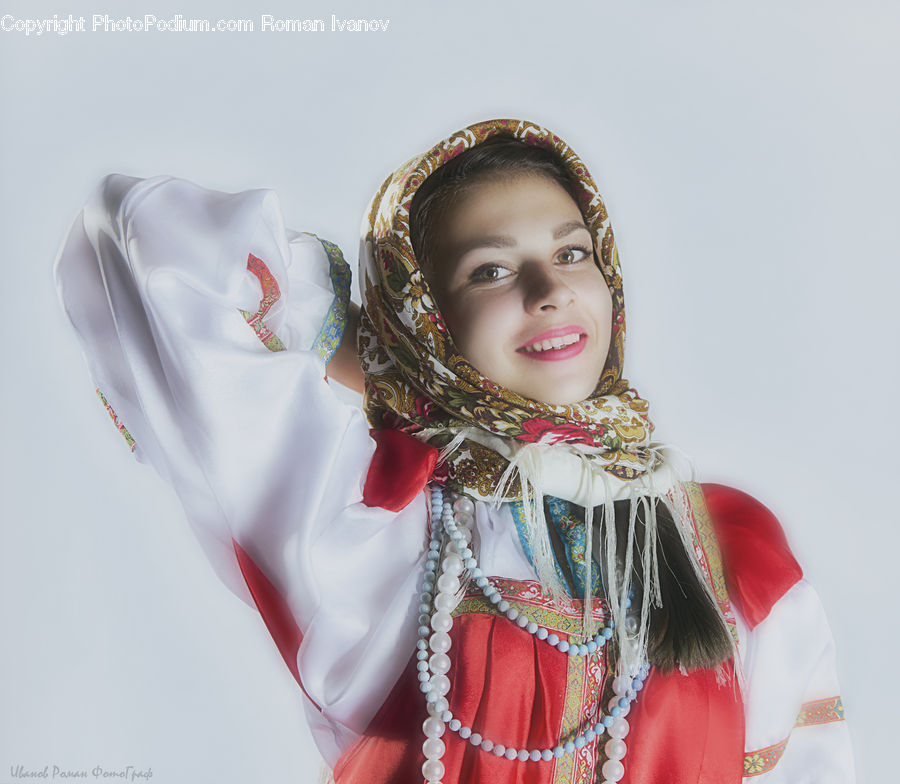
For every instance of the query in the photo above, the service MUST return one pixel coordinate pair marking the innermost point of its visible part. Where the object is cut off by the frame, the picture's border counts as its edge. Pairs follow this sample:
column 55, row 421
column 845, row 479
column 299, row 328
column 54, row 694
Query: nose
column 546, row 289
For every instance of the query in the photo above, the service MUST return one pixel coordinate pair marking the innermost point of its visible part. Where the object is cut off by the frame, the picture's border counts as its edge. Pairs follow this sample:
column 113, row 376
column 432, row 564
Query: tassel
column 454, row 444
column 588, row 625
column 628, row 573
column 525, row 466
column 618, row 582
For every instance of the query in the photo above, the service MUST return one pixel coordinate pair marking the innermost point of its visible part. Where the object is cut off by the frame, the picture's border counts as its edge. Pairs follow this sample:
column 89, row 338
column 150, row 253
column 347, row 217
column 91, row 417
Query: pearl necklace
column 435, row 622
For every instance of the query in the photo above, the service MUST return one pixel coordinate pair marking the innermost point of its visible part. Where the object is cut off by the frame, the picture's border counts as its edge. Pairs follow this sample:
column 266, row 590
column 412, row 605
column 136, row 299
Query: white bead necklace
column 435, row 622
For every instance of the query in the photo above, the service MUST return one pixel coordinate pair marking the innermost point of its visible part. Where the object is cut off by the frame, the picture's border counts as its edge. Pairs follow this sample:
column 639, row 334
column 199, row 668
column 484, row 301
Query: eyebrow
column 566, row 229
column 508, row 241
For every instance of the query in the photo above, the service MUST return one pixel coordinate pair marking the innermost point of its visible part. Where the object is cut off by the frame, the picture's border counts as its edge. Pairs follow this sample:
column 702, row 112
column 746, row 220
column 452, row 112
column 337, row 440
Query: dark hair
column 501, row 154
column 687, row 631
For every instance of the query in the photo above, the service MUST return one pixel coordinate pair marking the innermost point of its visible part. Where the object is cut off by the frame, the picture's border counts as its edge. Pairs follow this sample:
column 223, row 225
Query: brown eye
column 573, row 255
column 489, row 273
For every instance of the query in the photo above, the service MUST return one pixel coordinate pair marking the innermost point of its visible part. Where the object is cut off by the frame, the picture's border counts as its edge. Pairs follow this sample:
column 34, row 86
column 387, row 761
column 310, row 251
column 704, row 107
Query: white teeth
column 553, row 343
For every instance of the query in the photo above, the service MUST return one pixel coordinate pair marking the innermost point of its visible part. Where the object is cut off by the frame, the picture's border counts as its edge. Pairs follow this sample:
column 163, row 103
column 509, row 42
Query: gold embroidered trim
column 821, row 712
column 709, row 555
column 564, row 769
column 762, row 761
column 529, row 599
column 811, row 713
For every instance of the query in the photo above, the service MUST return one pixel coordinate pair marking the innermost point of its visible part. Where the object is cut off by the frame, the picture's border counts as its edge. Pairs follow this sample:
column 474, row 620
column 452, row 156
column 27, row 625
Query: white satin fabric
column 789, row 660
column 260, row 449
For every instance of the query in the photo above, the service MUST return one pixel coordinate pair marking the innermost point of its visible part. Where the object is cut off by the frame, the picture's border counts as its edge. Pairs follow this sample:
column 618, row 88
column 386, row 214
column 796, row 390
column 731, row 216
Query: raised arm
column 207, row 327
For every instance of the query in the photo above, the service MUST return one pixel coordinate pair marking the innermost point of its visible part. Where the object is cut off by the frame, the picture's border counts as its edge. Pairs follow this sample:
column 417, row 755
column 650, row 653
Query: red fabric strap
column 400, row 469
column 758, row 564
column 509, row 686
column 274, row 611
column 686, row 728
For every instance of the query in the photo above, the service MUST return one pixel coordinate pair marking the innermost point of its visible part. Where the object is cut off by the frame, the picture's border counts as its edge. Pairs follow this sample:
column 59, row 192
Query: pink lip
column 554, row 333
column 556, row 354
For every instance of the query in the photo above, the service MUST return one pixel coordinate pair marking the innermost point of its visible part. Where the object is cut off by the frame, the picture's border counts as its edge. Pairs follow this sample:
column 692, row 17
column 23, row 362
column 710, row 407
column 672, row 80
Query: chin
column 564, row 391
column 558, row 397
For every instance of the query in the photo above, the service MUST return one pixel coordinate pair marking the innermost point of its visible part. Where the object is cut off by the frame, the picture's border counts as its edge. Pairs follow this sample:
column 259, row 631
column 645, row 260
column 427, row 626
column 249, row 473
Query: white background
column 748, row 154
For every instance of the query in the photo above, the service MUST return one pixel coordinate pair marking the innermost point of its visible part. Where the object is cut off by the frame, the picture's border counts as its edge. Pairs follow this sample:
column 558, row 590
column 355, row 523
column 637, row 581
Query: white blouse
column 218, row 380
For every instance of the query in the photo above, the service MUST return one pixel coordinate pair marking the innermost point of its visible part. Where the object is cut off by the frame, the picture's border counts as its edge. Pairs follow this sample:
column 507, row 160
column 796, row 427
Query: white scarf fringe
column 594, row 486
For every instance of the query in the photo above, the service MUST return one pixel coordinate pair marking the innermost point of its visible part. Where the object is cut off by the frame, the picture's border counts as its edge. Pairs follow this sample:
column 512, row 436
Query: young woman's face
column 514, row 276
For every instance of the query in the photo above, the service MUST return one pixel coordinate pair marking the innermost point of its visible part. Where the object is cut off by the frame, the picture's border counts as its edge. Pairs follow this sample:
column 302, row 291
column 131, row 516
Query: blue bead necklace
column 450, row 537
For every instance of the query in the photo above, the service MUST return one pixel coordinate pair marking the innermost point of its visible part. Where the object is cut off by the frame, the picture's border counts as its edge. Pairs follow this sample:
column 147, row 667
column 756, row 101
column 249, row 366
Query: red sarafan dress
column 207, row 326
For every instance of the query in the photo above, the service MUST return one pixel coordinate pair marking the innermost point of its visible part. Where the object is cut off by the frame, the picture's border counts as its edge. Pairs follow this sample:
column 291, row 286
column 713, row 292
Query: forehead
column 506, row 197
column 501, row 211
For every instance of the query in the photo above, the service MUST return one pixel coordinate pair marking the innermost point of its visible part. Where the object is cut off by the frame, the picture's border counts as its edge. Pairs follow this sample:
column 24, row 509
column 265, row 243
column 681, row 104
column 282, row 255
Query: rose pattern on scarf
column 543, row 431
column 426, row 408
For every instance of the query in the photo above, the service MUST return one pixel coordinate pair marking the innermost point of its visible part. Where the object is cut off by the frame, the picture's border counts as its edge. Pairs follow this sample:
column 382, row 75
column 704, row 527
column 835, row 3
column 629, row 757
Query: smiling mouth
column 555, row 348
column 552, row 344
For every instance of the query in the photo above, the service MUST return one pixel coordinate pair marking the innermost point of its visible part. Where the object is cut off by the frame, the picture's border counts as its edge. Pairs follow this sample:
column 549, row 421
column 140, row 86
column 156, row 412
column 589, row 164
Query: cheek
column 479, row 327
column 469, row 327
column 601, row 300
column 459, row 323
column 607, row 308
column 602, row 309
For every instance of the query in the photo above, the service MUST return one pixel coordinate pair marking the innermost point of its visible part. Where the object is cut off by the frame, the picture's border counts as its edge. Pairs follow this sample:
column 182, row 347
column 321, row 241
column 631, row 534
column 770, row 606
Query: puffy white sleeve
column 207, row 326
column 795, row 727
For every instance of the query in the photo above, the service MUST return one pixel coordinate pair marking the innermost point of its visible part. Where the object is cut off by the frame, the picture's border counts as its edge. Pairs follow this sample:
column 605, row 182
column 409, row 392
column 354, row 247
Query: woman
column 491, row 339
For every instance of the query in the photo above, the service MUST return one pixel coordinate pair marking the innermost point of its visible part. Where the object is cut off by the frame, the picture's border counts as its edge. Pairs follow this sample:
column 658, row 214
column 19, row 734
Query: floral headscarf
column 416, row 378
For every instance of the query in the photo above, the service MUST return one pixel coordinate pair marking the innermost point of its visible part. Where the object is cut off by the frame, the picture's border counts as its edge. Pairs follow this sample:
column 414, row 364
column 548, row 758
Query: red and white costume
column 207, row 327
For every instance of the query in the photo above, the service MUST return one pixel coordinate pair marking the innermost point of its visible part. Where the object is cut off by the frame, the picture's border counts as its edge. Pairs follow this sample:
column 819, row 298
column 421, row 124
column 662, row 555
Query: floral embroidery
column 762, row 761
column 332, row 330
column 270, row 295
column 811, row 713
column 119, row 426
column 529, row 599
column 821, row 712
column 583, row 686
column 329, row 337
